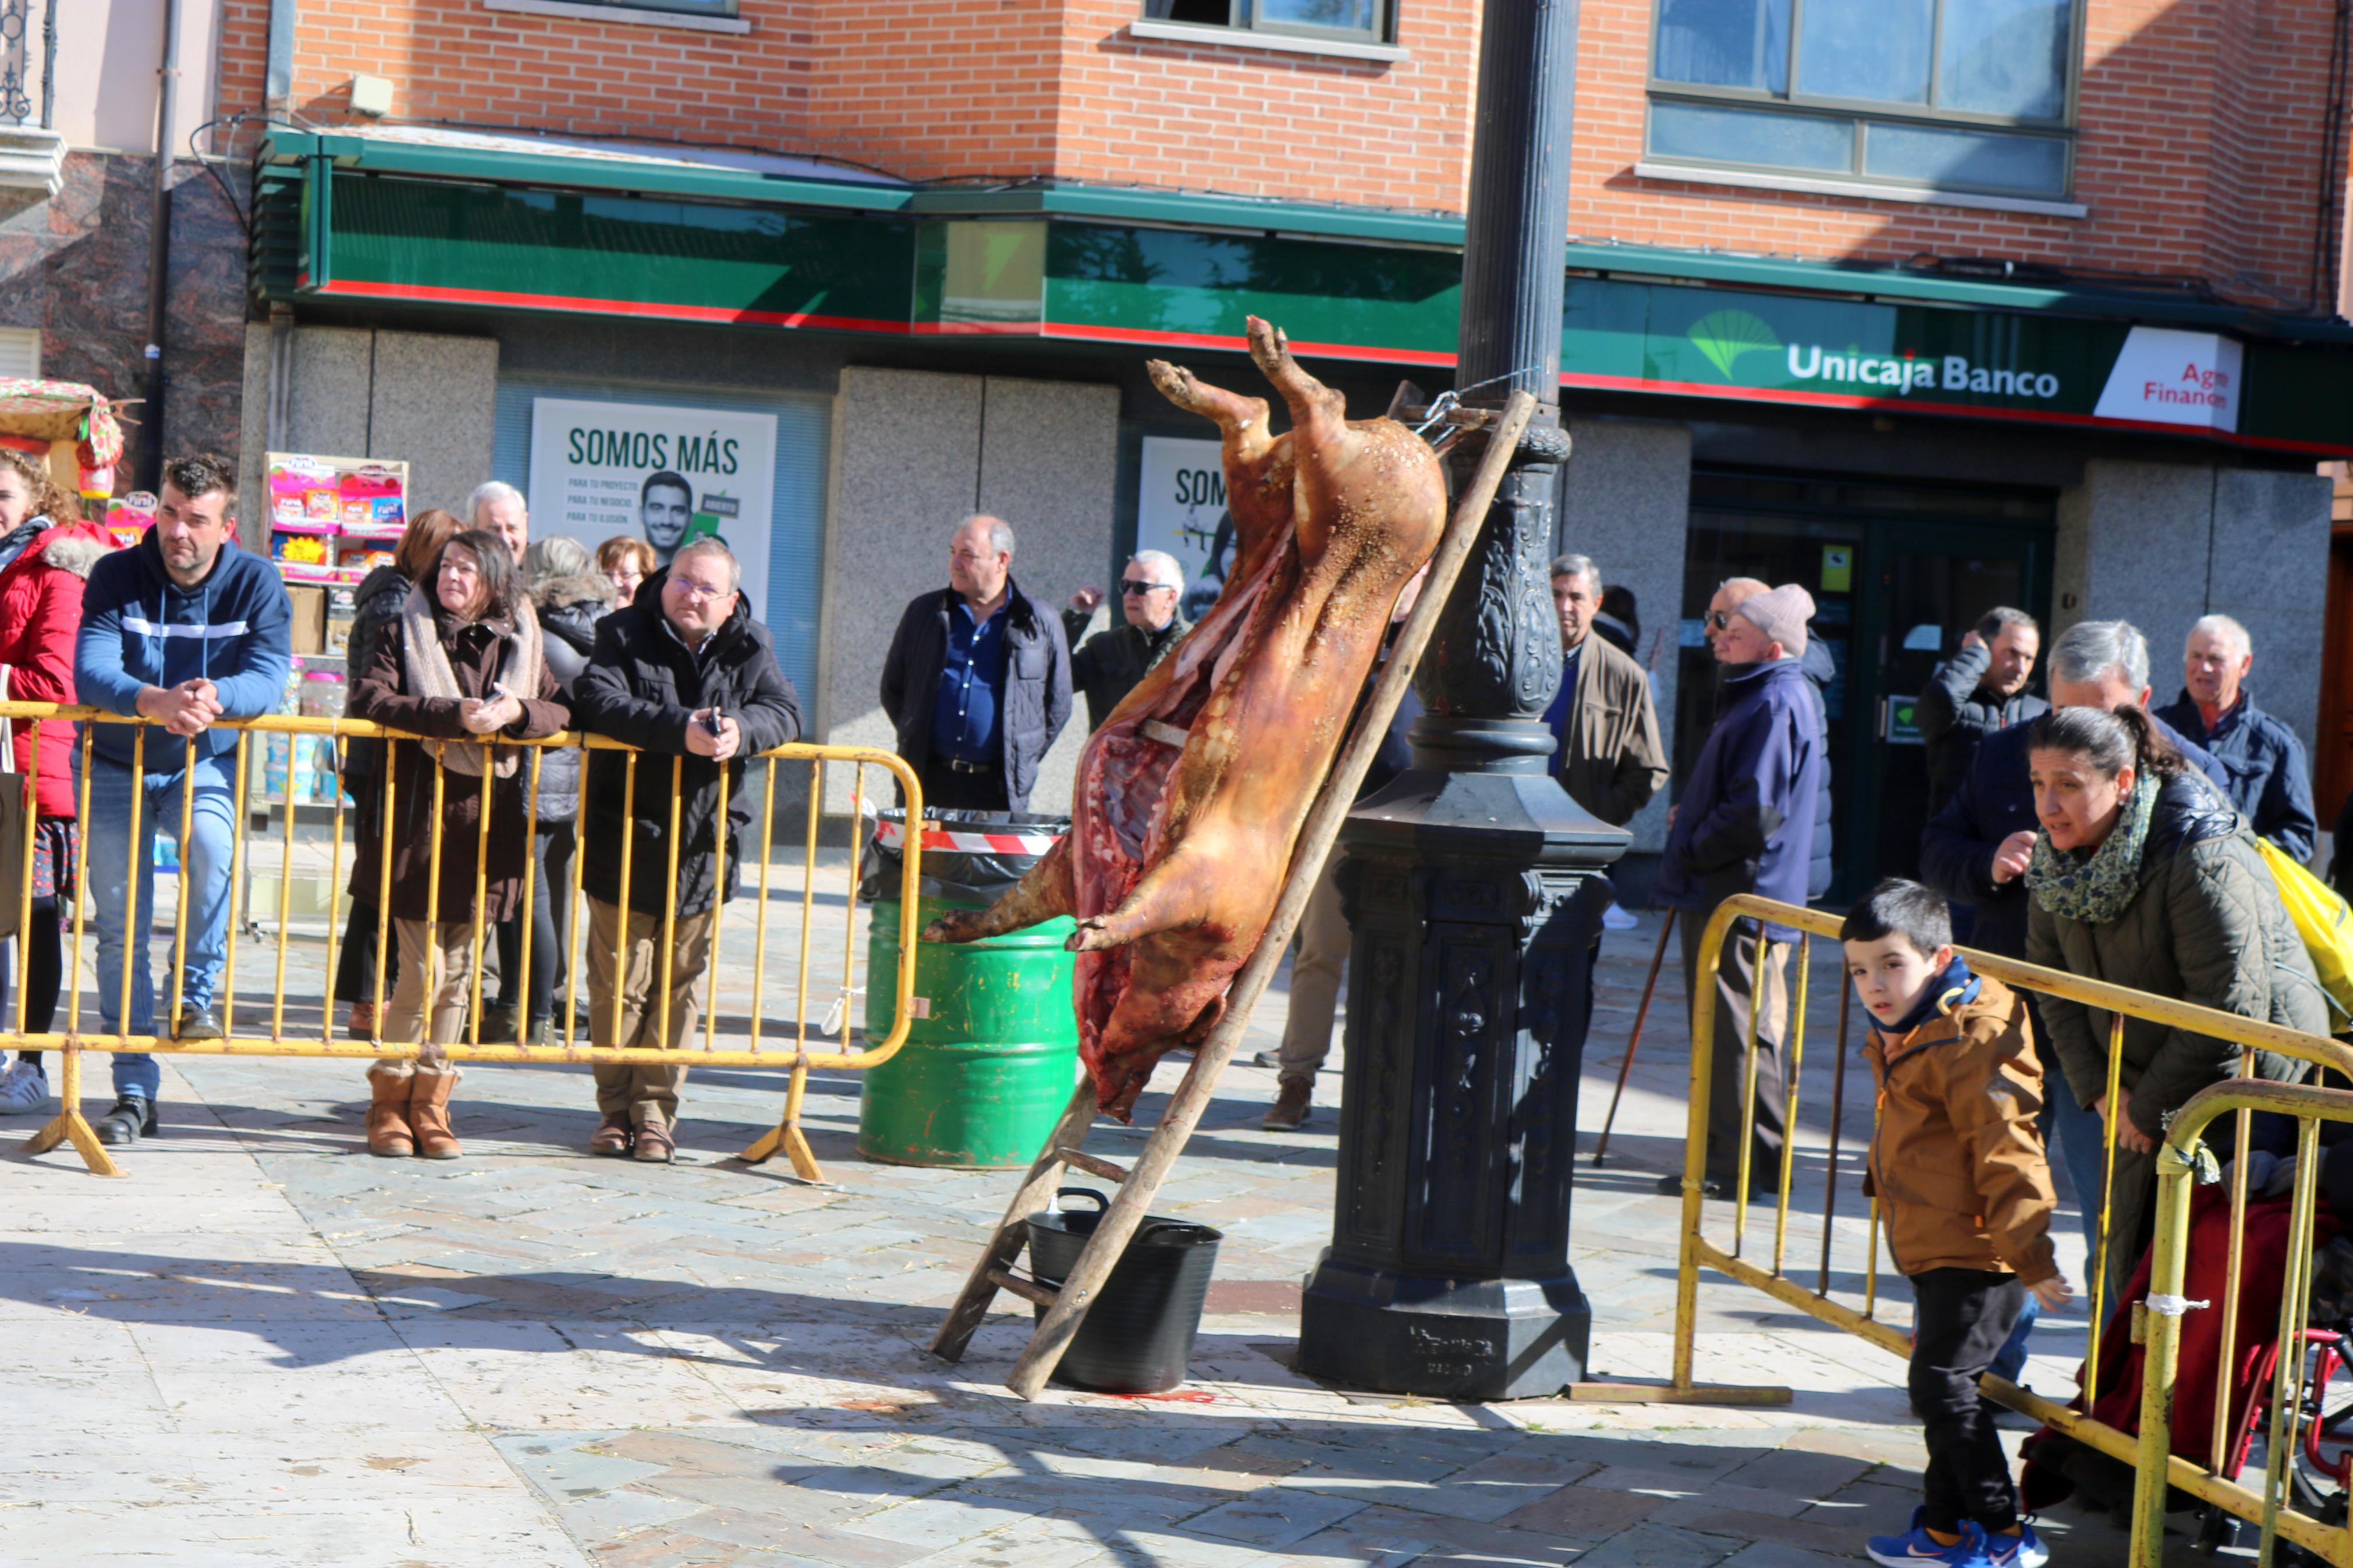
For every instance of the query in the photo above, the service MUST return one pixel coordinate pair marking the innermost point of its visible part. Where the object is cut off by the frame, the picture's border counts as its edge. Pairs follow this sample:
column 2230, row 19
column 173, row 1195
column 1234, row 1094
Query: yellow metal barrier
column 790, row 1050
column 2149, row 1449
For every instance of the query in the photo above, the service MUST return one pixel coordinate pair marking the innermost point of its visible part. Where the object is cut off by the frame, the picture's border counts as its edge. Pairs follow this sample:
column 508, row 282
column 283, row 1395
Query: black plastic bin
column 1138, row 1336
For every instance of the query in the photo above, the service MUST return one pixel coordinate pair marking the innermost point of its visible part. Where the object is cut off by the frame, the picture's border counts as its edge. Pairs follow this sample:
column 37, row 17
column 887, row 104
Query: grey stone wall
column 2161, row 544
column 1626, row 501
column 914, row 452
column 428, row 398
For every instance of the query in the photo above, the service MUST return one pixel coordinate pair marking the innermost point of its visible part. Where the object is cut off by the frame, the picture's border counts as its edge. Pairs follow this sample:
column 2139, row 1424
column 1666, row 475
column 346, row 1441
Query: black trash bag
column 962, row 877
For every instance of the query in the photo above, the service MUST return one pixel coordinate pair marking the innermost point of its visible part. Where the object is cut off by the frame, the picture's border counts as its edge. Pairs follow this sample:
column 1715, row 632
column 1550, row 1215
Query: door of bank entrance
column 1897, row 575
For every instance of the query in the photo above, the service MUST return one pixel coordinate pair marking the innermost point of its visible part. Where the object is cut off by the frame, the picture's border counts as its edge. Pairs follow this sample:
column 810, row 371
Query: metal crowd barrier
column 2157, row 1327
column 771, row 1043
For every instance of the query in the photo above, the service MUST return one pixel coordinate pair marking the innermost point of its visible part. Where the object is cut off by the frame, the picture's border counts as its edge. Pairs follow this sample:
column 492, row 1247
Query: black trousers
column 550, row 859
column 946, row 789
column 1754, row 975
column 1963, row 1317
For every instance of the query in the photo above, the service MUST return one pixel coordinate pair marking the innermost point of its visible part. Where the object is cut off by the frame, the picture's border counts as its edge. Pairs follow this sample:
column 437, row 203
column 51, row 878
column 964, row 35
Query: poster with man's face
column 660, row 474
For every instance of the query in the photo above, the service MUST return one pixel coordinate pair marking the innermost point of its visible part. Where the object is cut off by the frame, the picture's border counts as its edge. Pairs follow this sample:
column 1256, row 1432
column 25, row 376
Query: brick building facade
column 1864, row 295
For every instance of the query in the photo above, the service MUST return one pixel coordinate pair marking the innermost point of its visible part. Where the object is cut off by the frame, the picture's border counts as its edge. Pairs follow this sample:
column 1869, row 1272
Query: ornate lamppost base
column 1367, row 1327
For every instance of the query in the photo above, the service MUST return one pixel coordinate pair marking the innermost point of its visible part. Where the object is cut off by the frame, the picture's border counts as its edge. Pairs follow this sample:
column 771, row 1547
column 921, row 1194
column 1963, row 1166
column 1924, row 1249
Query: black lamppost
column 1473, row 881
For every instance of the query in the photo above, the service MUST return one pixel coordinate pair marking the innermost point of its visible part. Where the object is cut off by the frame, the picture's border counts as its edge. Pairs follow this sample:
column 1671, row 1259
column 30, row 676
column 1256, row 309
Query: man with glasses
column 1107, row 666
column 182, row 629
column 977, row 680
column 683, row 671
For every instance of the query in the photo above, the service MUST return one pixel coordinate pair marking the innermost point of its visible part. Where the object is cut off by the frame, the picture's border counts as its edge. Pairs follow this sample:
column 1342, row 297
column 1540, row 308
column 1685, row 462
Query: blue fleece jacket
column 141, row 628
column 1745, row 821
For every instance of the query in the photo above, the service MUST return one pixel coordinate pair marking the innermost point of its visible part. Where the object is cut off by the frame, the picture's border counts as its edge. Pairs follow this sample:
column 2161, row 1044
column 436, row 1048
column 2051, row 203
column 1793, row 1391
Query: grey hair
column 492, row 490
column 1000, row 532
column 2225, row 627
column 1575, row 565
column 1166, row 569
column 559, row 570
column 1994, row 622
column 707, row 545
column 2087, row 651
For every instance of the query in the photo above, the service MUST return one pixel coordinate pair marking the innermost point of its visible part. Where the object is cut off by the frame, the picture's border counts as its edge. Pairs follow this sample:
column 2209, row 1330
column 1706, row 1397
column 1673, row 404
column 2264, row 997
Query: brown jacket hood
column 1957, row 1163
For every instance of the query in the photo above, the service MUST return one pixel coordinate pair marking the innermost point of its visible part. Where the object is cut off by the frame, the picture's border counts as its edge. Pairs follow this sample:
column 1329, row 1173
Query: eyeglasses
column 1129, row 585
column 693, row 589
column 1718, row 619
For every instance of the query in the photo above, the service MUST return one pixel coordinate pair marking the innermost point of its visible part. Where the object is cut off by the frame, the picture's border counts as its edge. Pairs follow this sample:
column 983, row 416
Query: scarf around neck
column 2096, row 888
column 430, row 675
column 1955, row 988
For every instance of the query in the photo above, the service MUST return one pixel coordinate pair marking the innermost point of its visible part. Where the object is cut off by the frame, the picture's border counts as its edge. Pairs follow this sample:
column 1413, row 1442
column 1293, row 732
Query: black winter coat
column 2270, row 777
column 1107, row 666
column 1034, row 706
column 567, row 634
column 1955, row 717
column 642, row 686
column 1995, row 800
column 376, row 614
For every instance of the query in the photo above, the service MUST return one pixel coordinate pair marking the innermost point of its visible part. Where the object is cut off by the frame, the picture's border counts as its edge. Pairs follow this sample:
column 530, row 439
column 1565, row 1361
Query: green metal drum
column 992, row 1055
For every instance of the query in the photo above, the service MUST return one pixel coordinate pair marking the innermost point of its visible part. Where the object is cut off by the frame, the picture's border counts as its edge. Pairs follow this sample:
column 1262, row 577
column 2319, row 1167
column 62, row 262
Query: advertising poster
column 1181, row 509
column 665, row 475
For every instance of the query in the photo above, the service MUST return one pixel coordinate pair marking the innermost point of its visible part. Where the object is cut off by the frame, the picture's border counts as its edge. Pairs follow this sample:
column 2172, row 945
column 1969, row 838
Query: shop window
column 1356, row 21
column 1942, row 95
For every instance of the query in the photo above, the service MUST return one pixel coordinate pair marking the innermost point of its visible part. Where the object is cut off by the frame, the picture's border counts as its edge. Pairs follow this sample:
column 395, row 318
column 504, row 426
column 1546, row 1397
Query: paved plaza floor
column 262, row 1346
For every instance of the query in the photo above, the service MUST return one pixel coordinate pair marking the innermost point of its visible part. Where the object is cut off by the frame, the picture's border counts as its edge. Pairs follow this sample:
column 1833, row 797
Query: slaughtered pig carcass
column 1191, row 797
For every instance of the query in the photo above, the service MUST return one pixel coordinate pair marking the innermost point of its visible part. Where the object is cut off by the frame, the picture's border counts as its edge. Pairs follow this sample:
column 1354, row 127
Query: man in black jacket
column 1981, row 688
column 2271, row 779
column 977, row 680
column 683, row 671
column 1107, row 666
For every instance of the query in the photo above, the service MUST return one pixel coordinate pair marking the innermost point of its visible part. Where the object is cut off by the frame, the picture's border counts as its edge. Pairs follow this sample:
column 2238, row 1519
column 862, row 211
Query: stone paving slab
column 263, row 1347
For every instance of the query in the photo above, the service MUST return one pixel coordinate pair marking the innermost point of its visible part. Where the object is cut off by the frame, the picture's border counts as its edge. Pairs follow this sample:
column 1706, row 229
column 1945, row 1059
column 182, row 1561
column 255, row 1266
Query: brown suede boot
column 429, row 1112
column 388, row 1133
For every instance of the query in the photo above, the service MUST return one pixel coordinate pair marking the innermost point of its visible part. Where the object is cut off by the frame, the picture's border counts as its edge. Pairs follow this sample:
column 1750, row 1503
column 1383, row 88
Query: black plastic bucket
column 1138, row 1335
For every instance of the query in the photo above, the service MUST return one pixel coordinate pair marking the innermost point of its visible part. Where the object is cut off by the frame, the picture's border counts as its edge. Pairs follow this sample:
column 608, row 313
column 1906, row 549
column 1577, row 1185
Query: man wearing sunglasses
column 1107, row 666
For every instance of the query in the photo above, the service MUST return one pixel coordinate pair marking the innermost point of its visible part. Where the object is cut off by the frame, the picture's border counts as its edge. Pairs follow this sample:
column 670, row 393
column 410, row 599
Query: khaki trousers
column 628, row 972
column 1744, row 980
column 436, row 990
column 1315, row 979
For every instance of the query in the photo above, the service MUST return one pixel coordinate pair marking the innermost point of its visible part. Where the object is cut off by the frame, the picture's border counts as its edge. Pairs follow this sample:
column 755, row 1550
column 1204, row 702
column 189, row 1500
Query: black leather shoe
column 197, row 1023
column 131, row 1120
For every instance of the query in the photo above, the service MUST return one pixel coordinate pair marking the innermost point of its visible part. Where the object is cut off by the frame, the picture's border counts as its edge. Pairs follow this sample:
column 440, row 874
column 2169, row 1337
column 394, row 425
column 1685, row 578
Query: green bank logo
column 1725, row 337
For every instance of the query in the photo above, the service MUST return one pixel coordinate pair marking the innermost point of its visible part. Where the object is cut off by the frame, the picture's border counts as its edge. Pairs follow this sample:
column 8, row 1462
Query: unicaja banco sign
column 1686, row 340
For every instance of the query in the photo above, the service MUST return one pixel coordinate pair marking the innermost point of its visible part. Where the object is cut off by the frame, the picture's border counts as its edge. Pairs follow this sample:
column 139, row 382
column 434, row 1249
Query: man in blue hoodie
column 1745, row 824
column 182, row 629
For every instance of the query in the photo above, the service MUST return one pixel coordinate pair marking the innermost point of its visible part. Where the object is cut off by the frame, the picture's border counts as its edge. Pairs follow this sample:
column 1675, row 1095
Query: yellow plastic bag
column 2323, row 922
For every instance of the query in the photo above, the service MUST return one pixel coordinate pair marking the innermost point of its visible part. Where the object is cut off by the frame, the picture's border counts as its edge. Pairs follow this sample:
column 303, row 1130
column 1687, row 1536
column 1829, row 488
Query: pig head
column 1191, row 797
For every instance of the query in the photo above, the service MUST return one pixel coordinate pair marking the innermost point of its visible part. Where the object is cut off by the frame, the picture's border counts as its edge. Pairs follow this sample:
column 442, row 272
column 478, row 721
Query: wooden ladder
column 1140, row 1183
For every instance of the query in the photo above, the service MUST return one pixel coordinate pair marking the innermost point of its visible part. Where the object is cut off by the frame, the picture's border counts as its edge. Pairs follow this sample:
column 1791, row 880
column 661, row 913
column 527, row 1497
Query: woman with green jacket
column 2145, row 876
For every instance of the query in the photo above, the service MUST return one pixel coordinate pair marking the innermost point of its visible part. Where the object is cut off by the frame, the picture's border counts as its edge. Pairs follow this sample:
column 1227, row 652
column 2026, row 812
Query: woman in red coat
column 48, row 553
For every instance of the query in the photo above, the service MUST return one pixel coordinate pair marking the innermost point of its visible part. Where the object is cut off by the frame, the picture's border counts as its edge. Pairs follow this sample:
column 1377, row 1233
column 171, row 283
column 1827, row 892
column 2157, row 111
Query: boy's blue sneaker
column 1917, row 1546
column 2025, row 1550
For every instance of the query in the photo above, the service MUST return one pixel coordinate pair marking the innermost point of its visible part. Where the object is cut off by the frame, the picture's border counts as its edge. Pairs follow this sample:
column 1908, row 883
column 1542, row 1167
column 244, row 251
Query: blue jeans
column 205, row 870
column 2011, row 1359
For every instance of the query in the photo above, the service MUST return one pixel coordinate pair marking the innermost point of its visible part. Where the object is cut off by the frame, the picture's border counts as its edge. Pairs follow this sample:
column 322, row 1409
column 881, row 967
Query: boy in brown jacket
column 1960, row 1172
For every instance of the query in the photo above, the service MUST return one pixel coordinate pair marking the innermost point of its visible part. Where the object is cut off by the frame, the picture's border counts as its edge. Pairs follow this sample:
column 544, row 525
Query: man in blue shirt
column 182, row 629
column 977, row 680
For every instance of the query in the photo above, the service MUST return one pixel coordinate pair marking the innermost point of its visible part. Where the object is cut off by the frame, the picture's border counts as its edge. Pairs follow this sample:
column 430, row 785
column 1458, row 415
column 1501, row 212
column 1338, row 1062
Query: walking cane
column 1666, row 928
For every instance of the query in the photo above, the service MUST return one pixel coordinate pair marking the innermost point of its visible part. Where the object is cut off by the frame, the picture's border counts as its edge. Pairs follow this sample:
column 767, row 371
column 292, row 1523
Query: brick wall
column 2196, row 150
column 2196, row 153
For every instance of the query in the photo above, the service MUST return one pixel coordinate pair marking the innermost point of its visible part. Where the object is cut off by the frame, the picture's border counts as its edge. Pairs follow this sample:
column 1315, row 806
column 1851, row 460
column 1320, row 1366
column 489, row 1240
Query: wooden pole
column 1119, row 1221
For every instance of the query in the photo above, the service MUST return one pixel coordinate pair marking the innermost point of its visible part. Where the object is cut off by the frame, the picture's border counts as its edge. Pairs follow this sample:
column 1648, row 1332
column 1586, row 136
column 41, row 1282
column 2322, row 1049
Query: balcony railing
column 16, row 59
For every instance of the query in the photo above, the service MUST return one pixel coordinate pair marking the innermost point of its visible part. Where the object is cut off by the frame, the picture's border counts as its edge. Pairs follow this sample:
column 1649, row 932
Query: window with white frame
column 20, row 352
column 722, row 8
column 1345, row 21
column 1945, row 95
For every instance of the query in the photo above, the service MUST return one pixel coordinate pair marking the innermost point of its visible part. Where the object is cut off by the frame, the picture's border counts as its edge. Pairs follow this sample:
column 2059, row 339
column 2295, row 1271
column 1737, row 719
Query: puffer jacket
column 1956, row 1164
column 2270, row 777
column 2207, row 926
column 567, row 625
column 1956, row 714
column 375, row 613
column 40, row 611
